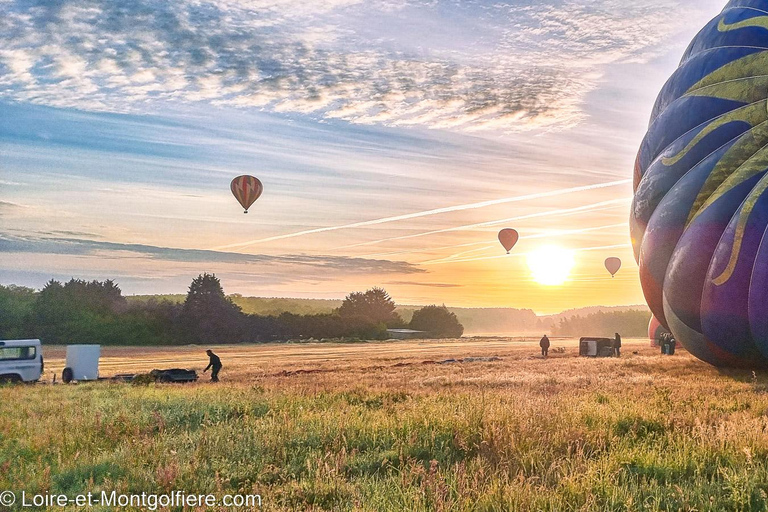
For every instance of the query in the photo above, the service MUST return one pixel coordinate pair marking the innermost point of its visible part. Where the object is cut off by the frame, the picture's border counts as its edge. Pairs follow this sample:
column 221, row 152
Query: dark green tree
column 208, row 315
column 374, row 306
column 16, row 303
column 437, row 321
column 81, row 312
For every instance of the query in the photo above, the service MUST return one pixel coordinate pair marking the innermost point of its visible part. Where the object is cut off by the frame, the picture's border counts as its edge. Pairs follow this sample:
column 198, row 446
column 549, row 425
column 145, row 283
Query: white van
column 21, row 361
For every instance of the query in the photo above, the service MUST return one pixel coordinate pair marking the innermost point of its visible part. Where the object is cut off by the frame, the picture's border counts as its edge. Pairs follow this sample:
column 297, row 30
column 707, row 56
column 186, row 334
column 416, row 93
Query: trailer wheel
column 67, row 375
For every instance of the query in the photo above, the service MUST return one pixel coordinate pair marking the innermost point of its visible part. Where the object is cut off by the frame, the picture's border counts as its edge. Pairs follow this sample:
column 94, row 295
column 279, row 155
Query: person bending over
column 215, row 364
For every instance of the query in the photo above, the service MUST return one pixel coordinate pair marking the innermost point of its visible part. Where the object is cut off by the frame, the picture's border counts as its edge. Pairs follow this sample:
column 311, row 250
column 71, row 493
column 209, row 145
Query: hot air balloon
column 699, row 218
column 246, row 190
column 612, row 265
column 655, row 331
column 508, row 238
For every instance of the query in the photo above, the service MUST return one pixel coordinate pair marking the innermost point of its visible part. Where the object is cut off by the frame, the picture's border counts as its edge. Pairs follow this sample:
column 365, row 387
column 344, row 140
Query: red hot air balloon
column 612, row 265
column 246, row 190
column 508, row 238
column 655, row 331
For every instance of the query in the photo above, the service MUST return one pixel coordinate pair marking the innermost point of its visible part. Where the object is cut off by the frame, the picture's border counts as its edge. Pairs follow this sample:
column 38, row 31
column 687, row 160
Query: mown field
column 383, row 427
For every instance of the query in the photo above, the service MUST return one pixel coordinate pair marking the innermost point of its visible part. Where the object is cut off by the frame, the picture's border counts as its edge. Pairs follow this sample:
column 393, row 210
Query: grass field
column 380, row 426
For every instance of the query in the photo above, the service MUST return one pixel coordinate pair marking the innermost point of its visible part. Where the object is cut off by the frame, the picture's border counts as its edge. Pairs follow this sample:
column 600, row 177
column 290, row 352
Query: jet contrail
column 564, row 211
column 415, row 215
column 483, row 258
column 429, row 249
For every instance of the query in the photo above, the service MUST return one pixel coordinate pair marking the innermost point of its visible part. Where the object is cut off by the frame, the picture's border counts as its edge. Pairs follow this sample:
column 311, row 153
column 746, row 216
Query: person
column 664, row 343
column 544, row 344
column 617, row 345
column 215, row 364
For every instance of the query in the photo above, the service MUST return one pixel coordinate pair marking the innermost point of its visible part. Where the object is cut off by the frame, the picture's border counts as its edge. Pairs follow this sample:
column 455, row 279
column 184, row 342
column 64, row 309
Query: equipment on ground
column 82, row 363
column 596, row 347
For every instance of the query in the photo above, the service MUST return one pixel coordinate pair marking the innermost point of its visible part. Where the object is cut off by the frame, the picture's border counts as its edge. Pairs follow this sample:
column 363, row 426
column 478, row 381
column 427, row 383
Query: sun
column 550, row 265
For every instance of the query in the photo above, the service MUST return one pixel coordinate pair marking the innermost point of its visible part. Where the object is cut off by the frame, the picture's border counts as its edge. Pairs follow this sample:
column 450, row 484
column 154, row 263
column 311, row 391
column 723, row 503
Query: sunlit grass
column 640, row 433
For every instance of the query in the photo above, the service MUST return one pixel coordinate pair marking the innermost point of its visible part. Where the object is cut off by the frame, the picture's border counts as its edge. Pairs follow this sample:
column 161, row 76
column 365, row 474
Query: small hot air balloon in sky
column 612, row 265
column 246, row 190
column 508, row 238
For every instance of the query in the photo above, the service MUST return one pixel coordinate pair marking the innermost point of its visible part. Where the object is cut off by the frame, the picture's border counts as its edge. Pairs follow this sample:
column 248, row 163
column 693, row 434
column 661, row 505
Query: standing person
column 215, row 364
column 544, row 344
column 617, row 345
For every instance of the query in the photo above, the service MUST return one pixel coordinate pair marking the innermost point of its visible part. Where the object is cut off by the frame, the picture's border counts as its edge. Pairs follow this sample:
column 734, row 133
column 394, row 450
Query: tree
column 208, row 315
column 374, row 306
column 80, row 312
column 16, row 303
column 437, row 321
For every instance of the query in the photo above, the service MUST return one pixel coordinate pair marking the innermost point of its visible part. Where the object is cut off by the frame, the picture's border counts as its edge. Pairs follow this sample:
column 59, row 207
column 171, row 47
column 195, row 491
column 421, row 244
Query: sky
column 394, row 139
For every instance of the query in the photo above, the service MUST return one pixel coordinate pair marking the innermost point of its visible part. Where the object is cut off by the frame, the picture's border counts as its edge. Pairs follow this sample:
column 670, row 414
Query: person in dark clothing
column 617, row 345
column 544, row 344
column 215, row 364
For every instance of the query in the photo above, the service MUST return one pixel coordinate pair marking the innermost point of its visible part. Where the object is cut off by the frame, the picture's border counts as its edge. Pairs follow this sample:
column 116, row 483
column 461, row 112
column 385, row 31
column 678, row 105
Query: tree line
column 632, row 323
column 81, row 311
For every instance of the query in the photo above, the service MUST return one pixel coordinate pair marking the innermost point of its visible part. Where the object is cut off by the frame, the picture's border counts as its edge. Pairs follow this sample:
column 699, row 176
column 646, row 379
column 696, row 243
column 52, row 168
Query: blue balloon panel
column 699, row 218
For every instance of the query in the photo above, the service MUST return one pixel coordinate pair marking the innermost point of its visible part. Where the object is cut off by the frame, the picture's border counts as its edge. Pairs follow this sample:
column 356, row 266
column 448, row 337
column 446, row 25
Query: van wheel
column 9, row 379
column 67, row 375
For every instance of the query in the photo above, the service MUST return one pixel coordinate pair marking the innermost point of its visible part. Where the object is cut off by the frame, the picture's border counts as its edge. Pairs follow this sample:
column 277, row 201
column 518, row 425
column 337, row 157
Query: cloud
column 6, row 207
column 451, row 65
column 326, row 266
column 429, row 285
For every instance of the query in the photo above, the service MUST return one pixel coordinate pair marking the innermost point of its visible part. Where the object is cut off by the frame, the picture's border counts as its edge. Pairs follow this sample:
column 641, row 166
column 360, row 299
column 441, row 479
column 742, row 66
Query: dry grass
column 381, row 426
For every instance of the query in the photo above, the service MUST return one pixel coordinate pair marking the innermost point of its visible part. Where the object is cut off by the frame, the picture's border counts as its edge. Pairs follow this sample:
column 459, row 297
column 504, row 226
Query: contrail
column 415, row 215
column 452, row 258
column 564, row 211
column 597, row 208
column 429, row 249
column 518, row 254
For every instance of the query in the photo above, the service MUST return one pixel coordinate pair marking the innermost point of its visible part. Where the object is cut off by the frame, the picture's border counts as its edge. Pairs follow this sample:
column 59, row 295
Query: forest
column 81, row 311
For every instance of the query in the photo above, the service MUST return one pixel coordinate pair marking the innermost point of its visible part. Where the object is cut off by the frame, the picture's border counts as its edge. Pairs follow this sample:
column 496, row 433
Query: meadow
column 384, row 426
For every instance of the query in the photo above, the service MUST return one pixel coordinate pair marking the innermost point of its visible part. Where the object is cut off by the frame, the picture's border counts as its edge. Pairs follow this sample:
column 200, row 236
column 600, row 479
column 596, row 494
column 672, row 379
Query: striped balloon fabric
column 246, row 190
column 700, row 209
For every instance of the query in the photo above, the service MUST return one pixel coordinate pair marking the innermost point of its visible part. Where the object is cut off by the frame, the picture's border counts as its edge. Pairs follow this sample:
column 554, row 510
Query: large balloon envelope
column 246, row 190
column 508, row 238
column 699, row 219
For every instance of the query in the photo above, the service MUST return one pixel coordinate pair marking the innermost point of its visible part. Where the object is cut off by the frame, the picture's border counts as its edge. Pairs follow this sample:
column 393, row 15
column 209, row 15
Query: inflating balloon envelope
column 700, row 209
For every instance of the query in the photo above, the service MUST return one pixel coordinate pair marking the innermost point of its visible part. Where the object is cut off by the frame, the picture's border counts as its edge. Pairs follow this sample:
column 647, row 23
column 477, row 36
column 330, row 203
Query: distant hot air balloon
column 508, row 238
column 612, row 265
column 246, row 190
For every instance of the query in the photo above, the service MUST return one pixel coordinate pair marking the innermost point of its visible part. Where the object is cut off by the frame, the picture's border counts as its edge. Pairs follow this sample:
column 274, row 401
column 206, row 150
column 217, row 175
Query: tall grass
column 567, row 435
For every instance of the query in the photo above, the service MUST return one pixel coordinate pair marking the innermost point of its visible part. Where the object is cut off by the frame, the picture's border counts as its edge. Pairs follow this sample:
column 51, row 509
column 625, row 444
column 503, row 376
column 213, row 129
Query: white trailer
column 82, row 363
column 21, row 361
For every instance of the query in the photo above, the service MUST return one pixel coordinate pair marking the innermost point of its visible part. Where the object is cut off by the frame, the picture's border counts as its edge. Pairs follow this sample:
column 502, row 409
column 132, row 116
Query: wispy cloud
column 497, row 65
column 428, row 285
column 318, row 264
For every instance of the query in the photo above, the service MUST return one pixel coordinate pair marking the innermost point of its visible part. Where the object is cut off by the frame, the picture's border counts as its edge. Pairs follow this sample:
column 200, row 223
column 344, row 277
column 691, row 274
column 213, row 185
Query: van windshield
column 17, row 353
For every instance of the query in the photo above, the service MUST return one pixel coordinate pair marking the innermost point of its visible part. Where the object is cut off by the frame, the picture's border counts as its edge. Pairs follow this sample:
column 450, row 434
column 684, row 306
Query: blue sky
column 121, row 125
